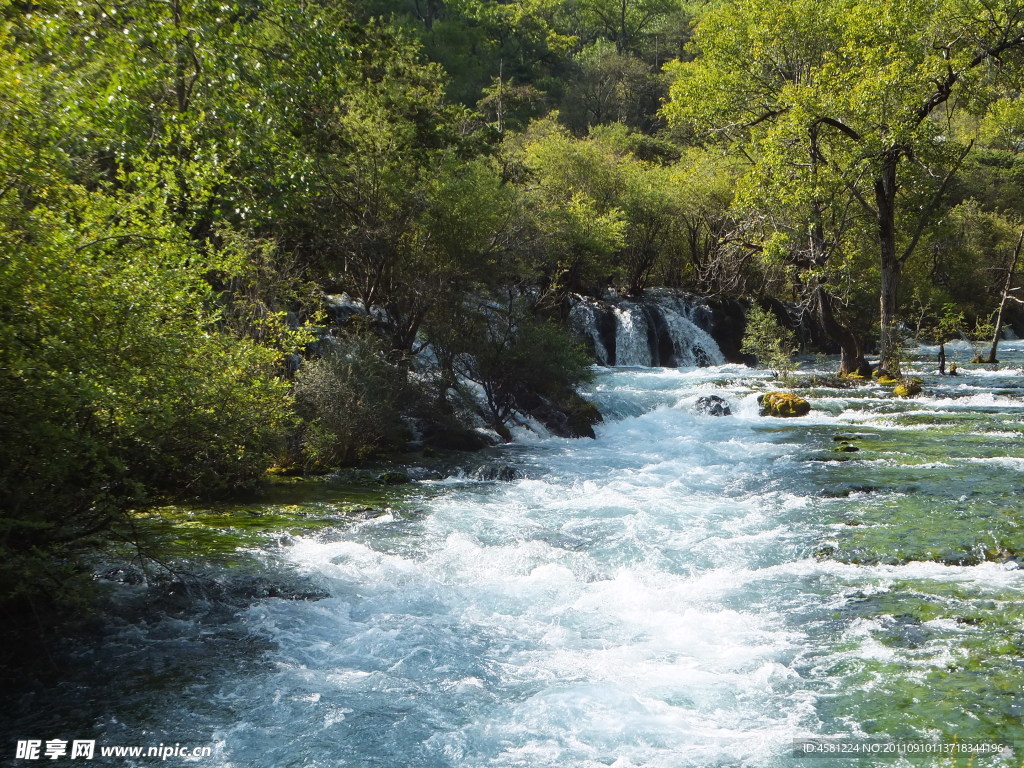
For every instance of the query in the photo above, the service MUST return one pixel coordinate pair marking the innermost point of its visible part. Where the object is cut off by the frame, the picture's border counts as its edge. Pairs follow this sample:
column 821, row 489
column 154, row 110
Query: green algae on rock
column 783, row 404
column 908, row 387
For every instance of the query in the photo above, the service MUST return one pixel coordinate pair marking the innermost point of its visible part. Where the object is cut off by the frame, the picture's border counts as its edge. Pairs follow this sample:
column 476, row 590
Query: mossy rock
column 783, row 404
column 853, row 376
column 582, row 416
column 394, row 477
column 887, row 381
column 909, row 387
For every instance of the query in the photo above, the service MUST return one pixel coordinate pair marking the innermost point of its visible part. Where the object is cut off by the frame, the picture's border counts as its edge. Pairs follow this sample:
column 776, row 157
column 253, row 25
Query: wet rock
column 712, row 405
column 569, row 416
column 847, row 448
column 128, row 574
column 784, row 404
column 582, row 415
column 496, row 472
column 448, row 435
column 908, row 387
column 394, row 477
column 953, row 557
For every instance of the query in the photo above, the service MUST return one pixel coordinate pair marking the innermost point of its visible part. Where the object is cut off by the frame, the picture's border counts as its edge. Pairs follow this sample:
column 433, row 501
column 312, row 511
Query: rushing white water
column 647, row 599
column 683, row 591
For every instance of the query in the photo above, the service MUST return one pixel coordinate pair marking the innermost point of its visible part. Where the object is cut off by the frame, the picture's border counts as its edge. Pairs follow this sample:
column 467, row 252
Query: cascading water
column 664, row 329
column 683, row 591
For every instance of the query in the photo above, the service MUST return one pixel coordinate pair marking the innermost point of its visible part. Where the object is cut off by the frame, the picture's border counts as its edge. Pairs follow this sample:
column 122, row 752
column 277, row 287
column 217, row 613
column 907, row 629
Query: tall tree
column 878, row 82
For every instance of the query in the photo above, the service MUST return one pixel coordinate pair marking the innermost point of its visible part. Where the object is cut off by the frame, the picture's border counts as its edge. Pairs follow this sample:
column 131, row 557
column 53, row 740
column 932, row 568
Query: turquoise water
column 683, row 591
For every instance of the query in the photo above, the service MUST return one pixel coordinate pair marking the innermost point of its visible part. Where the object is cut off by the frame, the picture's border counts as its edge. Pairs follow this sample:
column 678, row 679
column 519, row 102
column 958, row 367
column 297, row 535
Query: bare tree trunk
column 1006, row 295
column 851, row 355
column 890, row 264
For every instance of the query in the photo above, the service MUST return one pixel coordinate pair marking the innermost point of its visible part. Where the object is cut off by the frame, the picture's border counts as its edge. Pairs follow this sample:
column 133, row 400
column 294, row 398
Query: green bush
column 773, row 345
column 351, row 400
column 118, row 383
column 520, row 361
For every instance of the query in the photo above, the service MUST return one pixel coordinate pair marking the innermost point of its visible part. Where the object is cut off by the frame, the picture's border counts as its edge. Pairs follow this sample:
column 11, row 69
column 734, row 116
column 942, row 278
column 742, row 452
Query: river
column 686, row 590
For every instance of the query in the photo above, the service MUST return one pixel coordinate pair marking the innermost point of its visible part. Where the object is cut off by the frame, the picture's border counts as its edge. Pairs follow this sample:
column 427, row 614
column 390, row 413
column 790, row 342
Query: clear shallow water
column 683, row 591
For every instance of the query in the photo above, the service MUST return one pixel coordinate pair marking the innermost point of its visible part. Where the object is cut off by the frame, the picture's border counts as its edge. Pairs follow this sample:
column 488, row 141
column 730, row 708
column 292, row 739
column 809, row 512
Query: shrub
column 773, row 345
column 521, row 362
column 351, row 400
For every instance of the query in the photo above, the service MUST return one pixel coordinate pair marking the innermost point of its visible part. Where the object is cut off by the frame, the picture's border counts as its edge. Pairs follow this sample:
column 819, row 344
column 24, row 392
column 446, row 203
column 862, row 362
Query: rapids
column 683, row 591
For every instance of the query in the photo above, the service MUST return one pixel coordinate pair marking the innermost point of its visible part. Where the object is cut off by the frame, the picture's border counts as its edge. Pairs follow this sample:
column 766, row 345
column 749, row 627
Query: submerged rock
column 394, row 477
column 496, row 472
column 783, row 404
column 712, row 405
column 572, row 415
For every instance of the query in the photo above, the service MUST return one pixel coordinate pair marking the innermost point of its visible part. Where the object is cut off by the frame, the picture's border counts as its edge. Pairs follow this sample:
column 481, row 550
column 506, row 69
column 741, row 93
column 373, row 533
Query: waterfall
column 664, row 328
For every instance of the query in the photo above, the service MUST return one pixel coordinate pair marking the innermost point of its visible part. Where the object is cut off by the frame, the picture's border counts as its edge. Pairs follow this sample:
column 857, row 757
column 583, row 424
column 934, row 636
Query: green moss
column 950, row 651
column 287, row 506
column 783, row 404
column 908, row 387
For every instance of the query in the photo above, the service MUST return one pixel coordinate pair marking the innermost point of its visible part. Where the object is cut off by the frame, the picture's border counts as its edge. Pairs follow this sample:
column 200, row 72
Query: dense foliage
column 182, row 181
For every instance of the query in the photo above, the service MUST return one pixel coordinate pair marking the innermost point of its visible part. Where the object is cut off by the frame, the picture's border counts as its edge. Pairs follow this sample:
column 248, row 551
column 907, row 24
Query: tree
column 626, row 22
column 121, row 382
column 611, row 87
column 773, row 345
column 876, row 81
column 577, row 226
column 1008, row 289
column 521, row 362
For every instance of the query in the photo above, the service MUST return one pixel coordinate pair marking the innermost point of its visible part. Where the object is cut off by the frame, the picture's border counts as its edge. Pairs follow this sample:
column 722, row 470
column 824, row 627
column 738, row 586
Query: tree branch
column 929, row 209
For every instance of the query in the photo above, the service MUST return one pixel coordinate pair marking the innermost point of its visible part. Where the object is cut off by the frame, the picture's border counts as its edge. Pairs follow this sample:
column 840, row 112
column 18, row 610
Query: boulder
column 783, row 404
column 908, row 387
column 712, row 405
column 394, row 477
column 571, row 415
column 496, row 472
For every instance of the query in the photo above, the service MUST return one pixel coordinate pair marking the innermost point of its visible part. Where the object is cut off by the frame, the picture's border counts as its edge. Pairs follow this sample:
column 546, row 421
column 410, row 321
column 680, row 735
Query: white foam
column 629, row 602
